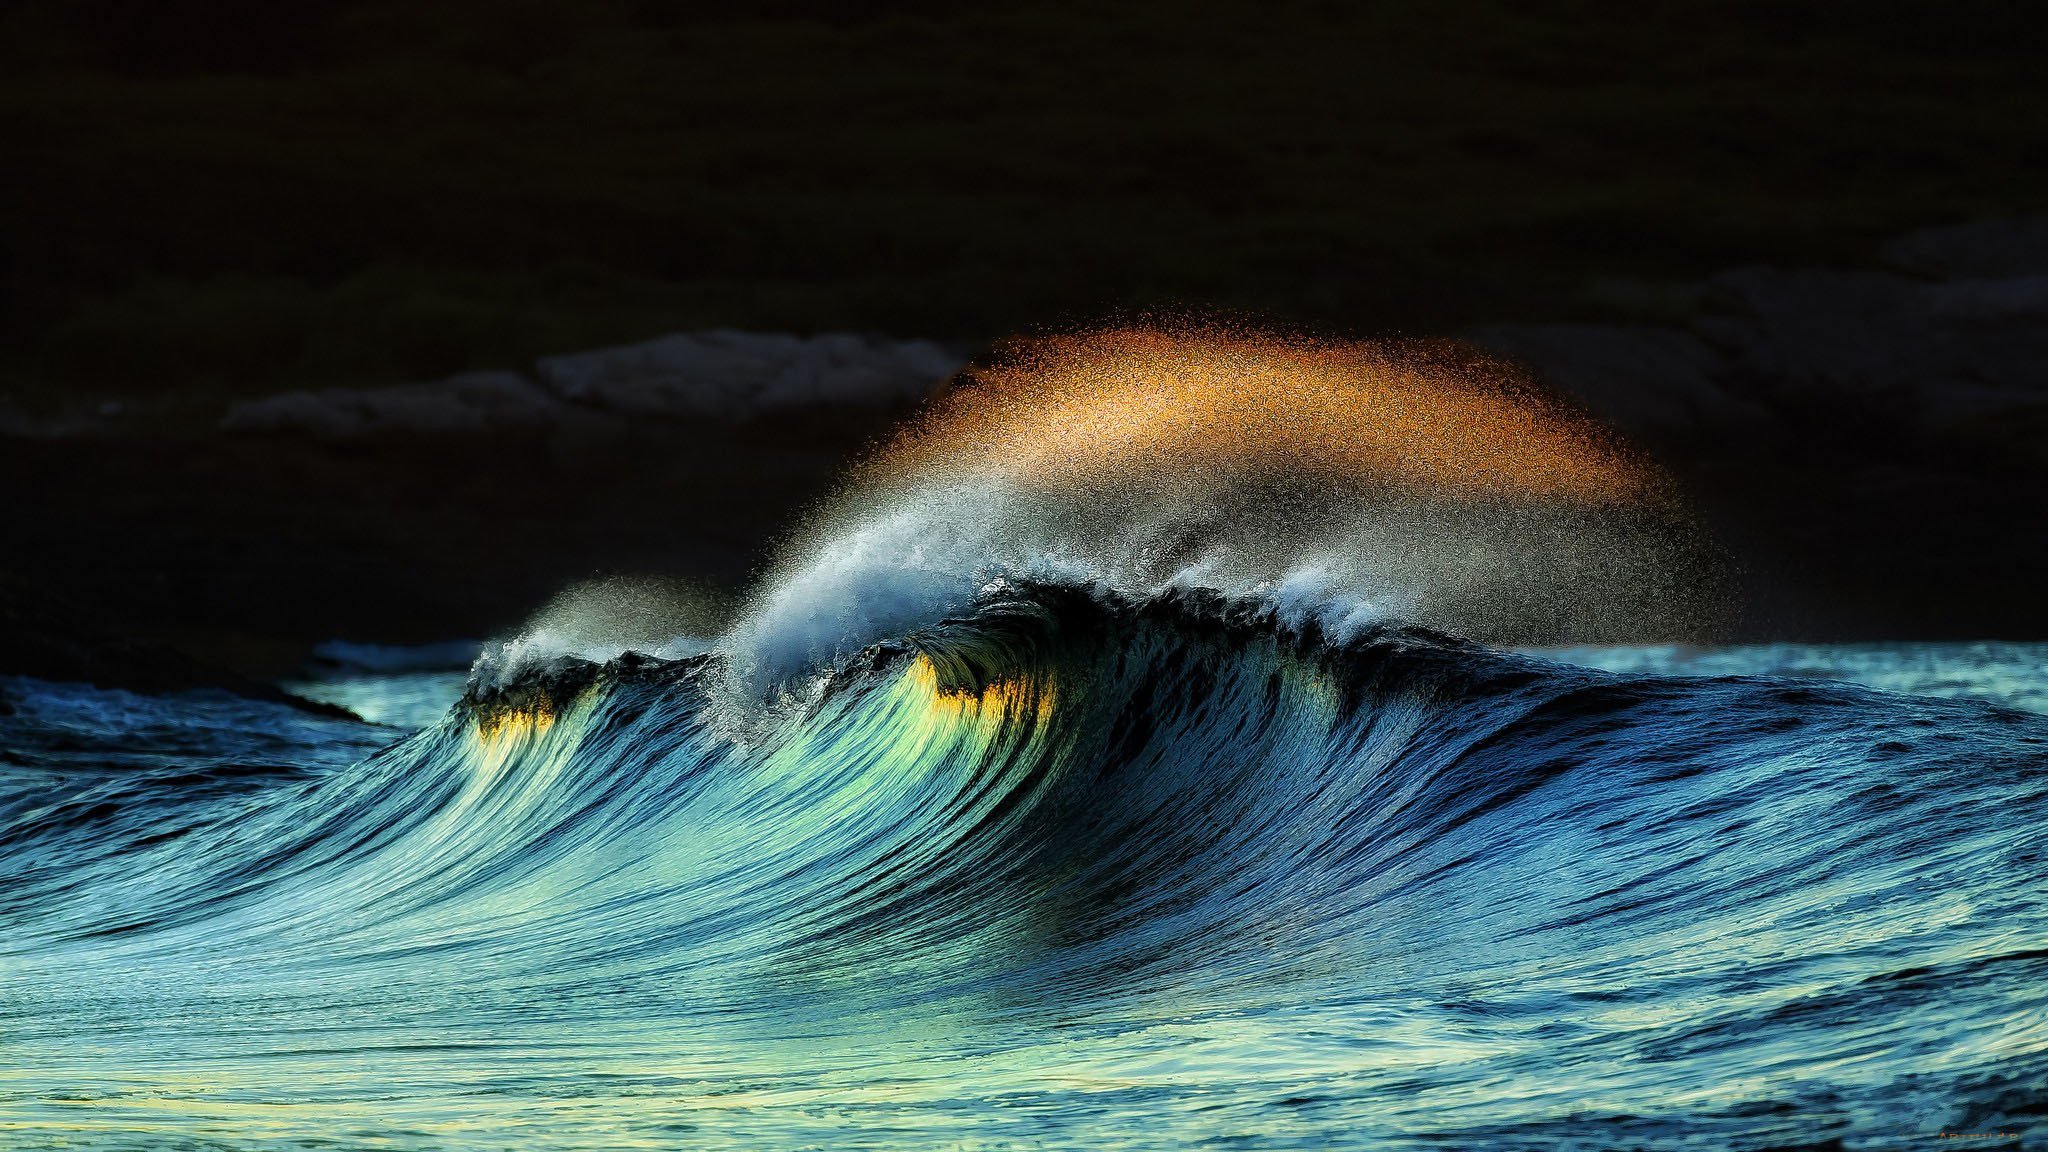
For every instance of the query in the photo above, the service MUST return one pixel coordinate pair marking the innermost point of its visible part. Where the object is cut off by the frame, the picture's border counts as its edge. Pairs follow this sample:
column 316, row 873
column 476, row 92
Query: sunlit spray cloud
column 1163, row 409
column 1337, row 484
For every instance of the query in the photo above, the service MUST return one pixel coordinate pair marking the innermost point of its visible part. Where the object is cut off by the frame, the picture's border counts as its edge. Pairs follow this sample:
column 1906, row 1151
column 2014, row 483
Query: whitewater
column 1140, row 752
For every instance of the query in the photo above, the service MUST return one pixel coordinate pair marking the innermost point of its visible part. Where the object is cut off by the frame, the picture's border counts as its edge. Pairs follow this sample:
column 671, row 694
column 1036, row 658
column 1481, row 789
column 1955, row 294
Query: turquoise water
column 2005, row 672
column 407, row 701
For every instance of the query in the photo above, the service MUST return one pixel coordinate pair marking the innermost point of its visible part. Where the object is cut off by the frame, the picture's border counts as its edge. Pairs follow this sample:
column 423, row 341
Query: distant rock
column 1829, row 332
column 1958, row 351
column 2010, row 298
column 1980, row 249
column 1936, row 355
column 470, row 402
column 734, row 375
column 718, row 375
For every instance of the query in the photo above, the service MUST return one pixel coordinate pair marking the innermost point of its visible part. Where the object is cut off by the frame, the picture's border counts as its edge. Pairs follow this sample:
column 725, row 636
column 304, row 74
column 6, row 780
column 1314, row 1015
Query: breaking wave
column 1113, row 764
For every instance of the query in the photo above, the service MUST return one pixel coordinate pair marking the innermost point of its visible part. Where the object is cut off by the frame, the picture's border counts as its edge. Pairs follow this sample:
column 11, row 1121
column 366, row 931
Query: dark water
column 1066, row 871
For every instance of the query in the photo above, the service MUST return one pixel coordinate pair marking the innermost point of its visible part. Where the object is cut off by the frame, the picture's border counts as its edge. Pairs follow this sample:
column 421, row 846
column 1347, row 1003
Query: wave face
column 1085, row 777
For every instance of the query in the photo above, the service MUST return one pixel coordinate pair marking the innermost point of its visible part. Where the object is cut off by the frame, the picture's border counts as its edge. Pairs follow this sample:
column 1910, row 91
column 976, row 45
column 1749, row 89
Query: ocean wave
column 1063, row 808
column 1089, row 778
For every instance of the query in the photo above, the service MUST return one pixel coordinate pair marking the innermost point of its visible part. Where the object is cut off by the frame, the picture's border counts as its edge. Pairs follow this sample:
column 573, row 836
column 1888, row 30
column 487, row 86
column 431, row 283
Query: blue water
column 1064, row 871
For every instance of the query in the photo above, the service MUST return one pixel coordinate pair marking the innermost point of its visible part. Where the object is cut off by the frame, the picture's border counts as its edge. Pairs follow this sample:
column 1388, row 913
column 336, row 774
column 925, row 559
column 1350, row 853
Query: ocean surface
column 1060, row 872
column 1104, row 769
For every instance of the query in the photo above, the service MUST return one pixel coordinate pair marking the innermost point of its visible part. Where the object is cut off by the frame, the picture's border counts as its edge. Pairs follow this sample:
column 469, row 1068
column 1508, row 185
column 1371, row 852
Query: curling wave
column 1193, row 865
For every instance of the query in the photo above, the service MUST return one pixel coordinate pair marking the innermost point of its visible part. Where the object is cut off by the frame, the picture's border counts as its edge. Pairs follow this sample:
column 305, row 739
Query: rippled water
column 1062, row 874
column 2007, row 672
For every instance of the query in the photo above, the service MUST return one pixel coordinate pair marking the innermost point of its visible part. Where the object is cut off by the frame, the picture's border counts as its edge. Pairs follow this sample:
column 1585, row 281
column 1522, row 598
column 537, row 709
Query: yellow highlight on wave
column 994, row 701
column 504, row 726
column 1116, row 405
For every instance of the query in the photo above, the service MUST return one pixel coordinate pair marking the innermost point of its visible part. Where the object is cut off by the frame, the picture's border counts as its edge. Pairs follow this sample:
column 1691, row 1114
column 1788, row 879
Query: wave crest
column 1335, row 485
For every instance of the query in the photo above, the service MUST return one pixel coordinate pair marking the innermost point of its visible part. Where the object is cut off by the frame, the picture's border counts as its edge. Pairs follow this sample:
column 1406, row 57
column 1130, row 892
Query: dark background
column 213, row 199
